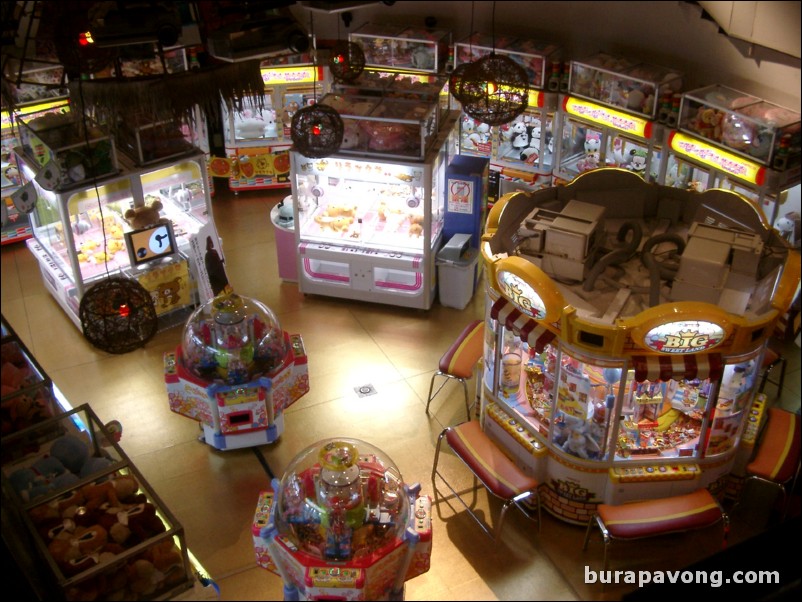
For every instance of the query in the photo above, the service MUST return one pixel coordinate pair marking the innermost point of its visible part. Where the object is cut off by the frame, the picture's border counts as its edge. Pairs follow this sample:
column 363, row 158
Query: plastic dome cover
column 342, row 499
column 233, row 339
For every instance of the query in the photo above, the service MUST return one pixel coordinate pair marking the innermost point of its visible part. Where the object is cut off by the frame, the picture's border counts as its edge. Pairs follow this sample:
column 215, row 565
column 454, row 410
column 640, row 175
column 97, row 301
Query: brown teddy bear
column 146, row 215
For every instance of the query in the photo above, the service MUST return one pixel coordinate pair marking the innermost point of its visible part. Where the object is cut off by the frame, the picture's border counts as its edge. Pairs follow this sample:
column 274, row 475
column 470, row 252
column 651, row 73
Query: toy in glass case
column 80, row 233
column 236, row 371
column 402, row 48
column 342, row 523
column 627, row 391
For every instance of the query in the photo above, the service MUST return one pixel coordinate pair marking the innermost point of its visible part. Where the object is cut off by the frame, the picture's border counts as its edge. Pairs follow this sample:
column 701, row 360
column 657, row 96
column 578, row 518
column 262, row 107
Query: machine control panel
column 655, row 472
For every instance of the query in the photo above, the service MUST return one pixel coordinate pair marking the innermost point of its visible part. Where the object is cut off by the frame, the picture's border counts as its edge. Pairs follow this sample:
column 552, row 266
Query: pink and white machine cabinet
column 342, row 525
column 235, row 372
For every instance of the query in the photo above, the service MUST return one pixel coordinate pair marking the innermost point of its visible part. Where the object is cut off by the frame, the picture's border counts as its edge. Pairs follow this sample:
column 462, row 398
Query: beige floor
column 213, row 493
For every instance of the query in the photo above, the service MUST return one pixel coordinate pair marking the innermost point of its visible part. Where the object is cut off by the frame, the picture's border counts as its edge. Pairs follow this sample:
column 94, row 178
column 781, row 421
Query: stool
column 650, row 518
column 496, row 472
column 772, row 360
column 777, row 459
column 459, row 361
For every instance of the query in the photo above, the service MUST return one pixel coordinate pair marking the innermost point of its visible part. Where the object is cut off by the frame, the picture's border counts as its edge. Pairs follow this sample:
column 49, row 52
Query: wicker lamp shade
column 346, row 61
column 493, row 89
column 317, row 131
column 117, row 315
column 455, row 80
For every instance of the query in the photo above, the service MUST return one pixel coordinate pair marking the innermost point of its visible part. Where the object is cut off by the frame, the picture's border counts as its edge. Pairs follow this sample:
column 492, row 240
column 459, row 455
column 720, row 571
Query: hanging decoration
column 346, row 61
column 117, row 315
column 455, row 80
column 493, row 89
column 317, row 131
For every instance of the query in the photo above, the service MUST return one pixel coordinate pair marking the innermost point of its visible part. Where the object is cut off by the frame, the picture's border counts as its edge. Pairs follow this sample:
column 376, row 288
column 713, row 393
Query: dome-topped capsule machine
column 342, row 525
column 235, row 372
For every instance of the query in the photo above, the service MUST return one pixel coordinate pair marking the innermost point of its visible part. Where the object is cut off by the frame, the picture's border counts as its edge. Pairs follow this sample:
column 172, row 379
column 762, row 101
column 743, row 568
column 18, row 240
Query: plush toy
column 146, row 215
column 707, row 123
column 352, row 135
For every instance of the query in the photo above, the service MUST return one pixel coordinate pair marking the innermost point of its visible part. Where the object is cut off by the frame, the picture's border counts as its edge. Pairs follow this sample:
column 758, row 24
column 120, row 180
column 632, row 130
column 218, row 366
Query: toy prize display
column 138, row 223
column 369, row 219
column 731, row 140
column 257, row 134
column 520, row 152
column 341, row 524
column 639, row 314
column 236, row 371
column 611, row 116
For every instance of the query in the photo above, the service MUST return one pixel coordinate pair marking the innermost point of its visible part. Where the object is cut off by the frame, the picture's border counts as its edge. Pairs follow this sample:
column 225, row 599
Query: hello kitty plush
column 249, row 124
column 271, row 129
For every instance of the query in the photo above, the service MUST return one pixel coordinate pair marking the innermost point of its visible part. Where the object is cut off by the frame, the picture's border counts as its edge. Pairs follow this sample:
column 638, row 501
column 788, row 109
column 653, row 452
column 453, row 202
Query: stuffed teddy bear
column 146, row 215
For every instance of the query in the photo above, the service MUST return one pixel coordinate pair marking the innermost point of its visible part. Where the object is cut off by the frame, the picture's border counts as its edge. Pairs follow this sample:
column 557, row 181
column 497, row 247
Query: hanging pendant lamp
column 117, row 315
column 493, row 89
column 317, row 131
column 346, row 61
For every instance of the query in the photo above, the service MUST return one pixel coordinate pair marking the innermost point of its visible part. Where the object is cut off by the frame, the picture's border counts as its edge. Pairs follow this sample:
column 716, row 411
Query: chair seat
column 661, row 516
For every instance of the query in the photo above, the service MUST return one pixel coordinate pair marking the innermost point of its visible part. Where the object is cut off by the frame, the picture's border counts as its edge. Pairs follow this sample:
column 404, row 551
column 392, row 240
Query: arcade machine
column 622, row 350
column 731, row 140
column 257, row 135
column 520, row 152
column 235, row 372
column 342, row 525
column 611, row 117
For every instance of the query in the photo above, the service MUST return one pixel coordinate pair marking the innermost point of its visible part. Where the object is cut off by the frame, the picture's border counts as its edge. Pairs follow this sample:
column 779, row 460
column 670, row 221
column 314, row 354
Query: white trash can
column 457, row 271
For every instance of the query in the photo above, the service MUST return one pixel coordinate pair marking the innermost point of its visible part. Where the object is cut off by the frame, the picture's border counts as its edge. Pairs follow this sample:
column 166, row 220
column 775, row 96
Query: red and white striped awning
column 528, row 330
column 678, row 367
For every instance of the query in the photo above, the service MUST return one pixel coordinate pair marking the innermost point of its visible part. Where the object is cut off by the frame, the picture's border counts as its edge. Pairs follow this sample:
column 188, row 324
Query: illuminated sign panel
column 521, row 295
column 609, row 117
column 687, row 336
column 717, row 158
column 291, row 75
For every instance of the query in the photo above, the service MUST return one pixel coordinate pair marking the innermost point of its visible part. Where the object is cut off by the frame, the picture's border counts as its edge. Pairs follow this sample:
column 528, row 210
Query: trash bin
column 457, row 271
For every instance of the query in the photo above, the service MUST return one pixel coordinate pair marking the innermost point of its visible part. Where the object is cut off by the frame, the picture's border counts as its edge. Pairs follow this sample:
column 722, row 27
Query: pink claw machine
column 342, row 525
column 611, row 116
column 235, row 372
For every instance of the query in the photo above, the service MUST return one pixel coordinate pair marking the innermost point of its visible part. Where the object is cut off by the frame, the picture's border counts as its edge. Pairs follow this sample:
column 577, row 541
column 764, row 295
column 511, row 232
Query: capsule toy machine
column 235, row 372
column 341, row 524
column 521, row 152
column 613, row 375
column 736, row 141
column 257, row 134
column 611, row 116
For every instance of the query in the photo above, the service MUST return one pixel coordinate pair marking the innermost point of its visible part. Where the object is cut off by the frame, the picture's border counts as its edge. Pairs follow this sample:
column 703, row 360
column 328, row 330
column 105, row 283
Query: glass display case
column 369, row 229
column 622, row 83
column 537, row 58
column 744, row 124
column 81, row 520
column 401, row 47
column 257, row 134
column 389, row 128
column 81, row 235
column 15, row 225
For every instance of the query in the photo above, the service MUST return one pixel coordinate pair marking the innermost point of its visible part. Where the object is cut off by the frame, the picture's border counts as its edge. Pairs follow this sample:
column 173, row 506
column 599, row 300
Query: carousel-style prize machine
column 611, row 117
column 235, row 372
column 520, row 152
column 342, row 525
column 614, row 369
column 732, row 140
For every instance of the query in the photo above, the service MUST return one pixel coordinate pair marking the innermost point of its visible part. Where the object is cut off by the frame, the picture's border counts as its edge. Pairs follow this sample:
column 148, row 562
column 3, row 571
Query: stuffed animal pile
column 23, row 403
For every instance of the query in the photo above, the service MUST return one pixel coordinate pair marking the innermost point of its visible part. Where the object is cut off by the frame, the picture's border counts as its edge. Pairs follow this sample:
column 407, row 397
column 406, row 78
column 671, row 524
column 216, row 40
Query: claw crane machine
column 520, row 152
column 612, row 117
column 736, row 141
column 257, row 133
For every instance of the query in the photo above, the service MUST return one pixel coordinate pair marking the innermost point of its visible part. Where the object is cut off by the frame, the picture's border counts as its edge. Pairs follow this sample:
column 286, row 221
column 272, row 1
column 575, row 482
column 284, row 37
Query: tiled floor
column 214, row 493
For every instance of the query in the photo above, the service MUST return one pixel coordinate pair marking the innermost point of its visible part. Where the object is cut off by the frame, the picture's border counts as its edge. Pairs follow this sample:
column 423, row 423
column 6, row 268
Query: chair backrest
column 778, row 452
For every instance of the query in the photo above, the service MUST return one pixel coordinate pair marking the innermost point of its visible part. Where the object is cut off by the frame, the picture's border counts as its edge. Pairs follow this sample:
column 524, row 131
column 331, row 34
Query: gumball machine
column 342, row 525
column 236, row 371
